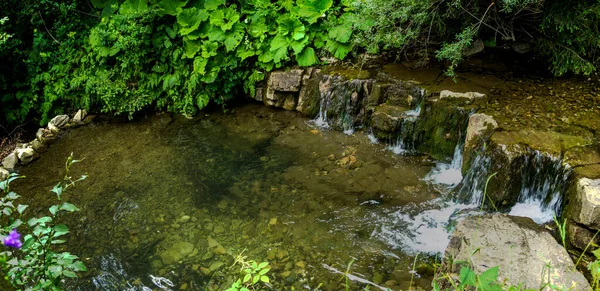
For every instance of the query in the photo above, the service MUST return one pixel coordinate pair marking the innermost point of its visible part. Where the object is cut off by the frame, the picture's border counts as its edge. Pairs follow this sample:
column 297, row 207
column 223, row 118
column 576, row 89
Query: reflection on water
column 170, row 203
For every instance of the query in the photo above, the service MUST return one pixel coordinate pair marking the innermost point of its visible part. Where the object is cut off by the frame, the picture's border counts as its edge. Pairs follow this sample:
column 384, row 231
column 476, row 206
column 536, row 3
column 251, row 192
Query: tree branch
column 44, row 22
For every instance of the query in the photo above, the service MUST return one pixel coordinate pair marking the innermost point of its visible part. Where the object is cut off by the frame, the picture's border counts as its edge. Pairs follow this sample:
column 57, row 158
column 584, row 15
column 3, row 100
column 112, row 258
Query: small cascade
column 472, row 186
column 543, row 182
column 448, row 175
column 343, row 102
column 405, row 142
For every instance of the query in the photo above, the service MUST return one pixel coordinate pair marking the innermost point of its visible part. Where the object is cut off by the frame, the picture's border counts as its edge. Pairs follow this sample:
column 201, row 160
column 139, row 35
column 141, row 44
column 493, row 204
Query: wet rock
column 521, row 249
column 184, row 219
column 10, row 161
column 40, row 134
column 345, row 101
column 4, row 173
column 309, row 98
column 580, row 236
column 584, row 204
column 447, row 94
column 386, row 121
column 79, row 116
column 176, row 252
column 59, row 121
column 26, row 155
column 396, row 93
column 480, row 128
column 582, row 156
column 216, row 265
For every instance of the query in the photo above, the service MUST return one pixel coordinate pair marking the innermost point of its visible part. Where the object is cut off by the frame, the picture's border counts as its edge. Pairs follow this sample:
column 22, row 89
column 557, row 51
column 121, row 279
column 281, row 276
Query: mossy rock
column 386, row 121
column 549, row 142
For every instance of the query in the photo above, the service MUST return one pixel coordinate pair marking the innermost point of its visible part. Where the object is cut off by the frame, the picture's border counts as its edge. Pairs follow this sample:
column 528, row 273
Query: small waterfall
column 343, row 103
column 448, row 175
column 543, row 182
column 405, row 142
column 472, row 186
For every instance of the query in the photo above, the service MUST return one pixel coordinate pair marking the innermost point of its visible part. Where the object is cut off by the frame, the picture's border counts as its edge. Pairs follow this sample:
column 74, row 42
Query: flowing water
column 171, row 203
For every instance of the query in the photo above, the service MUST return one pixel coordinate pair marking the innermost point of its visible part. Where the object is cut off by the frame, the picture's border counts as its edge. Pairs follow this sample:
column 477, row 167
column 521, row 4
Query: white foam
column 533, row 209
column 427, row 232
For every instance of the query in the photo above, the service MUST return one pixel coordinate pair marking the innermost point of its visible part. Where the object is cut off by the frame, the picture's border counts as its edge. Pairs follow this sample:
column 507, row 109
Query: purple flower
column 13, row 239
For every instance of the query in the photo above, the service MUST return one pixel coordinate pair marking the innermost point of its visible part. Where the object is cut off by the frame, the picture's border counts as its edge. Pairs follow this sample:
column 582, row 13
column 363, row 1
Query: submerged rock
column 176, row 252
column 524, row 252
column 468, row 95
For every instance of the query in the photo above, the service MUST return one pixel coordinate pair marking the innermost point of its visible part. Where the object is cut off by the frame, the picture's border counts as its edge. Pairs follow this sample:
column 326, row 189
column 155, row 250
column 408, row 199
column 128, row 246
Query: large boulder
column 524, row 252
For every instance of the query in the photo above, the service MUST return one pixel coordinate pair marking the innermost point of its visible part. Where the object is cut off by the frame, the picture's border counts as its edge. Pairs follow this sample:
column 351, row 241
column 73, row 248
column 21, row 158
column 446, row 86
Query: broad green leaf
column 234, row 37
column 245, row 52
column 68, row 207
column 264, row 279
column 191, row 47
column 255, row 279
column 189, row 19
column 489, row 276
column 58, row 190
column 341, row 33
column 202, row 100
column 53, row 209
column 258, row 28
column 247, row 278
column 213, row 4
column 292, row 27
column 69, row 274
column 78, row 266
column 280, row 54
column 134, row 7
column 262, row 265
column 312, row 10
column 338, row 49
column 170, row 7
column 224, row 18
column 200, row 65
column 216, row 34
column 55, row 271
column 16, row 223
column 467, row 277
column 298, row 45
column 60, row 229
column 21, row 208
column 209, row 49
column 279, row 41
column 264, row 271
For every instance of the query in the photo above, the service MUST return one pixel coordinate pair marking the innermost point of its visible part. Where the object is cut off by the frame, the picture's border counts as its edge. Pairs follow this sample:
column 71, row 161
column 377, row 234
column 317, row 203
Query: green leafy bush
column 35, row 264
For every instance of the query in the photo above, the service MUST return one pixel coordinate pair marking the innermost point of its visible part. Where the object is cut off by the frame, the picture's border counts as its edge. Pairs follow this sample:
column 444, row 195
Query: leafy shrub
column 36, row 265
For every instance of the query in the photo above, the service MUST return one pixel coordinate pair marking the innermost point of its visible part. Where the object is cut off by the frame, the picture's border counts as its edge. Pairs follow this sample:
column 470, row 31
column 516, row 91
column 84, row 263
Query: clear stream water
column 170, row 203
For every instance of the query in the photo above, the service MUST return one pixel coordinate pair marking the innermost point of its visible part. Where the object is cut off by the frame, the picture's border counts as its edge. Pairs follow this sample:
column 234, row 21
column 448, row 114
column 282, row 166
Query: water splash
column 114, row 277
column 448, row 175
column 427, row 231
column 543, row 181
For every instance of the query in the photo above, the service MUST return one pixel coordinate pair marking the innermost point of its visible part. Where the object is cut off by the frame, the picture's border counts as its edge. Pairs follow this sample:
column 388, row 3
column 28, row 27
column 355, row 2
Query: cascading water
column 405, row 143
column 543, row 181
column 448, row 175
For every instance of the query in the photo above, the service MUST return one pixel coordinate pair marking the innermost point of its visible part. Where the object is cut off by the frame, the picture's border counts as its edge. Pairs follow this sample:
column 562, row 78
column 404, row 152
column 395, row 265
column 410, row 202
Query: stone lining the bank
column 25, row 153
